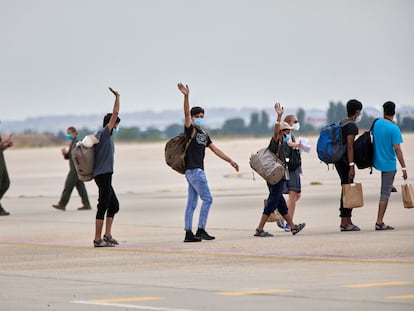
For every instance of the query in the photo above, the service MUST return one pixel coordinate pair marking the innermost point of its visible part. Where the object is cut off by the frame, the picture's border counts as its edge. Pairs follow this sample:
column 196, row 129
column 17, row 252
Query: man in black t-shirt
column 346, row 167
column 194, row 169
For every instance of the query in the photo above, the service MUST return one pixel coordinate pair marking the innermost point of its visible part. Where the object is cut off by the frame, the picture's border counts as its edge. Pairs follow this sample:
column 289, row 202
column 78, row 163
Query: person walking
column 194, row 169
column 346, row 166
column 4, row 176
column 275, row 199
column 102, row 173
column 72, row 179
column 387, row 148
column 293, row 185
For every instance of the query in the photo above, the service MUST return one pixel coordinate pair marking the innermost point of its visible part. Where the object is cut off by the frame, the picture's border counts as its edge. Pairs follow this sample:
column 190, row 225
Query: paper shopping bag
column 407, row 195
column 352, row 196
column 275, row 216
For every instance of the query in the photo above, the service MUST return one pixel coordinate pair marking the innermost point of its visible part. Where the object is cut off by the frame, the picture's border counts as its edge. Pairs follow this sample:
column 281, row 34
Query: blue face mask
column 69, row 136
column 115, row 130
column 286, row 137
column 198, row 121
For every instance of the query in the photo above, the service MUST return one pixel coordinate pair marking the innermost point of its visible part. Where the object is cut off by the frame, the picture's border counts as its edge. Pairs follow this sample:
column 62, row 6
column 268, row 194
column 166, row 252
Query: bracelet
column 351, row 164
column 277, row 122
column 403, row 168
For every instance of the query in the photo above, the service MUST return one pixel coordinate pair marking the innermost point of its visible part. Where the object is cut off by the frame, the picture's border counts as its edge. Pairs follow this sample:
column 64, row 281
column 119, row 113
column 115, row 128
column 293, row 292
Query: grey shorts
column 387, row 180
column 293, row 184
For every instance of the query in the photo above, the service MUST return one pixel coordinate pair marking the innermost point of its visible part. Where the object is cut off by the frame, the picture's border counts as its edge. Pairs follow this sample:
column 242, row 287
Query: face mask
column 69, row 136
column 296, row 126
column 358, row 119
column 286, row 137
column 115, row 130
column 198, row 121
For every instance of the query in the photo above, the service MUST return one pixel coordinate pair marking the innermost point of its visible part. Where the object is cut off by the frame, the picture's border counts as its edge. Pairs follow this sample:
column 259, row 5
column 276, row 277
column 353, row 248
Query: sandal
column 349, row 227
column 102, row 243
column 110, row 239
column 298, row 228
column 383, row 226
column 262, row 233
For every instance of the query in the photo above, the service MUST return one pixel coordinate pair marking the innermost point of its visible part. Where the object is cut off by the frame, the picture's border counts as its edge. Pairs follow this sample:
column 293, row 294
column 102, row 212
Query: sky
column 58, row 57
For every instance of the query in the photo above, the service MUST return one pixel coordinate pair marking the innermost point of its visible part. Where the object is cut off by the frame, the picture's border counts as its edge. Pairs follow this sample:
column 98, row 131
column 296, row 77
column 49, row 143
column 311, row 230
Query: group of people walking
column 387, row 141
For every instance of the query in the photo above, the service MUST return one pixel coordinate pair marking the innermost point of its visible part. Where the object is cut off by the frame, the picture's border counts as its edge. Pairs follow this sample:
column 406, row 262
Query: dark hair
column 389, row 108
column 352, row 106
column 72, row 129
column 196, row 110
column 108, row 117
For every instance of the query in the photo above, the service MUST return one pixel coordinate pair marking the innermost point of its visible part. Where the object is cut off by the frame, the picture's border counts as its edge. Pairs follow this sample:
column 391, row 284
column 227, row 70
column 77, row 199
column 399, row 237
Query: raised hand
column 114, row 92
column 184, row 89
column 279, row 108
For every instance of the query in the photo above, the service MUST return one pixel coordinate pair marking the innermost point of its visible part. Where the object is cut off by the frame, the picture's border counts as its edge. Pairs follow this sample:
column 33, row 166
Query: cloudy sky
column 58, row 57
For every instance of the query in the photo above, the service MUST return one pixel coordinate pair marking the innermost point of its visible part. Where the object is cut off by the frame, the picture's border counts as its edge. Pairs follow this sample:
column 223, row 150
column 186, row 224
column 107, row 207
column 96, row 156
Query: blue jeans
column 197, row 186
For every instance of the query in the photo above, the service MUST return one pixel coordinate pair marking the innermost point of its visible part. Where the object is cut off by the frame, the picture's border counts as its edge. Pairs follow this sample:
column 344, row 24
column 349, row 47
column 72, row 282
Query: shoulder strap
column 193, row 134
column 372, row 126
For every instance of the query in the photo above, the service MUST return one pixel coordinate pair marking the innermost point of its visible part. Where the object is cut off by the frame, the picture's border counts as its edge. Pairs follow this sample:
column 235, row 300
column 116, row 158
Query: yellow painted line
column 254, row 292
column 129, row 299
column 381, row 284
column 401, row 297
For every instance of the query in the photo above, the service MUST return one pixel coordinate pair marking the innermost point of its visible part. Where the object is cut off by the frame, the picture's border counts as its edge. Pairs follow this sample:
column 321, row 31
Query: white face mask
column 296, row 126
column 358, row 119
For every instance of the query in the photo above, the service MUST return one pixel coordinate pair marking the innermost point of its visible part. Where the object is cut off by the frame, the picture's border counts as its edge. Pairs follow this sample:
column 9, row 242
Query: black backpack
column 364, row 149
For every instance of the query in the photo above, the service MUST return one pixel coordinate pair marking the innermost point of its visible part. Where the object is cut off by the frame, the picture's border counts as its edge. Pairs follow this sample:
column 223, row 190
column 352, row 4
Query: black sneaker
column 297, row 228
column 190, row 237
column 202, row 234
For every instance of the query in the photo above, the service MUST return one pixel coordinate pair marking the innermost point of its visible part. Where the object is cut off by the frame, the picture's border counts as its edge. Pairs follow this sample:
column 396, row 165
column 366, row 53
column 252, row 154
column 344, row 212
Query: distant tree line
column 259, row 125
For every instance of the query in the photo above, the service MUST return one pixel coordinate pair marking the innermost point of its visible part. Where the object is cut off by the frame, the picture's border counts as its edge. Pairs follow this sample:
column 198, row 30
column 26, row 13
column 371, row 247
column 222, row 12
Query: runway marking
column 254, row 292
column 401, row 297
column 380, row 284
column 222, row 254
column 127, row 299
column 129, row 306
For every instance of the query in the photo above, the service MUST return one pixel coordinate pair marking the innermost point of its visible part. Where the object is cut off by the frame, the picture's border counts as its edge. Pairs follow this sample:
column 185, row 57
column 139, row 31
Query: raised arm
column 186, row 92
column 279, row 110
column 115, row 110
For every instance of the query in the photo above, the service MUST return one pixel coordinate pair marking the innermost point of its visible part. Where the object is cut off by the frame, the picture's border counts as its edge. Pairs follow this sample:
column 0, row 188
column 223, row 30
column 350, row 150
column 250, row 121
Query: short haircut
column 389, row 108
column 196, row 110
column 352, row 106
column 72, row 129
column 108, row 117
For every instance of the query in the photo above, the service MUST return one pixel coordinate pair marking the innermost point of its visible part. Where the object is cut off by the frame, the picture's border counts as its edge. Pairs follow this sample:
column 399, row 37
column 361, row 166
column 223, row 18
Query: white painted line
column 124, row 305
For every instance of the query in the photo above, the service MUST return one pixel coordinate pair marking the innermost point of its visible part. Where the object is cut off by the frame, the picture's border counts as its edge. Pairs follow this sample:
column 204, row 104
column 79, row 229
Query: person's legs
column 387, row 180
column 344, row 213
column 80, row 187
column 112, row 210
column 104, row 199
column 192, row 198
column 70, row 182
column 199, row 184
column 4, row 186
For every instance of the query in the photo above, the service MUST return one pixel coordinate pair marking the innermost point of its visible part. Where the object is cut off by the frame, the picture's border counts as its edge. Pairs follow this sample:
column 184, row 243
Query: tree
column 234, row 126
column 173, row 130
column 336, row 112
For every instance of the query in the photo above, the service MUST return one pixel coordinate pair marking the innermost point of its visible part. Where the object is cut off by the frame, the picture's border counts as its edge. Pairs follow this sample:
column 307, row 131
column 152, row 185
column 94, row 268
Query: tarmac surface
column 48, row 262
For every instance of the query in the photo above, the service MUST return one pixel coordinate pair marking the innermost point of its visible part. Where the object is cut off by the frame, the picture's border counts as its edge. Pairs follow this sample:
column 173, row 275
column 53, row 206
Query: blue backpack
column 330, row 147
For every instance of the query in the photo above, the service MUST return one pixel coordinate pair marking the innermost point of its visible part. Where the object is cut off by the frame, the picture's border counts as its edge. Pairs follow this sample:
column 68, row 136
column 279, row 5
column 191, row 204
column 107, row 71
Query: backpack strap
column 372, row 126
column 193, row 134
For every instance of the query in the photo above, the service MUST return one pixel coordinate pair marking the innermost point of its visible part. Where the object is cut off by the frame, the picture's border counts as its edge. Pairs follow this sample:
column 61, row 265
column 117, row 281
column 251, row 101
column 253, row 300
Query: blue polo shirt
column 386, row 135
